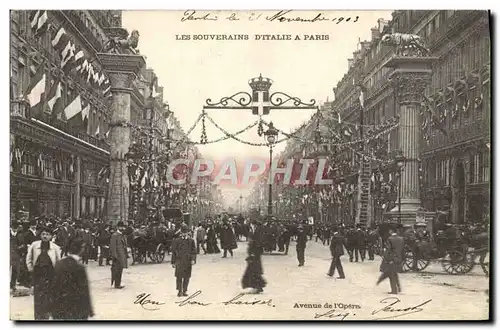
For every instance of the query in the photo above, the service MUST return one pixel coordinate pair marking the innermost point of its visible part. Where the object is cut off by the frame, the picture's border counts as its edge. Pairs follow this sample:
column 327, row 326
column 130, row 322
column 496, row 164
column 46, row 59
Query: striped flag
column 36, row 90
column 58, row 41
column 54, row 99
column 68, row 56
column 106, row 88
column 73, row 109
column 39, row 22
column 85, row 117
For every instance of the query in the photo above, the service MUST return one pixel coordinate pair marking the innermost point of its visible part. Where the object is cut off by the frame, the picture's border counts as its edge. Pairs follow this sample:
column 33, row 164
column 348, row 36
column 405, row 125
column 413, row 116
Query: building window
column 486, row 166
column 48, row 167
column 92, row 205
column 83, row 205
column 474, row 168
column 28, row 166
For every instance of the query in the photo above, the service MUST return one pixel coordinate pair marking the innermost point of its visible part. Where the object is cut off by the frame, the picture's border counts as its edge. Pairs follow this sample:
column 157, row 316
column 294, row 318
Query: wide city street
column 292, row 293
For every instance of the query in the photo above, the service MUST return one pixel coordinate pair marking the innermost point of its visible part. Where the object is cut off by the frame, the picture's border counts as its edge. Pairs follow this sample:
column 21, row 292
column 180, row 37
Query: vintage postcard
column 250, row 165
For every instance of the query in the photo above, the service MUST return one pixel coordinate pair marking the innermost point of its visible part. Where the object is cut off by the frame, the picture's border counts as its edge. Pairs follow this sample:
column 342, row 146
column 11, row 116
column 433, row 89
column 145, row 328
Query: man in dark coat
column 183, row 259
column 371, row 241
column 103, row 241
column 301, row 245
column 87, row 244
column 118, row 249
column 351, row 241
column 31, row 234
column 63, row 237
column 360, row 245
column 337, row 250
column 71, row 286
column 15, row 256
column 392, row 262
column 227, row 239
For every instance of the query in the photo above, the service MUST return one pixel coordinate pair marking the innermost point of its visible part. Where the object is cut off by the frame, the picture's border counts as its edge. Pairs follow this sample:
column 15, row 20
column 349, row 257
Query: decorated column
column 412, row 74
column 122, row 65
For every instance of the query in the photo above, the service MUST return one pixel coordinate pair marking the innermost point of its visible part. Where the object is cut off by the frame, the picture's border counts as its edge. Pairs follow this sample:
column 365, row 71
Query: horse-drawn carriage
column 154, row 242
column 458, row 253
column 153, row 247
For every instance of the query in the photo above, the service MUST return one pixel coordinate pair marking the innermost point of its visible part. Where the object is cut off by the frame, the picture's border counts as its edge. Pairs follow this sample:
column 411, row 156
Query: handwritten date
column 281, row 16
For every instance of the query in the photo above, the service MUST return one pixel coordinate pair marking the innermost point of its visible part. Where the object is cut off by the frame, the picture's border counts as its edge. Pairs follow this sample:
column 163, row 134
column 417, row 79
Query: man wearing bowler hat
column 118, row 249
column 183, row 259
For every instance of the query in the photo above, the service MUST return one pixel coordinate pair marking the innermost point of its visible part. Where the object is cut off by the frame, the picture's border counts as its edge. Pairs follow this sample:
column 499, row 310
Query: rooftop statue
column 117, row 45
column 406, row 44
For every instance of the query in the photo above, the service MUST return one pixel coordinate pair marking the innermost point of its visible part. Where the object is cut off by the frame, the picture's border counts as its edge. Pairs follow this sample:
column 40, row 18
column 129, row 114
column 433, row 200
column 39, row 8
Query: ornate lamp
column 271, row 134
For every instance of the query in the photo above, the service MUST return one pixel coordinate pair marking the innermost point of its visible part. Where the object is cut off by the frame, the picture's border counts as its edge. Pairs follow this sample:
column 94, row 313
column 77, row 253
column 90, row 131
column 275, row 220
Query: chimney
column 356, row 55
column 381, row 24
column 364, row 46
column 375, row 33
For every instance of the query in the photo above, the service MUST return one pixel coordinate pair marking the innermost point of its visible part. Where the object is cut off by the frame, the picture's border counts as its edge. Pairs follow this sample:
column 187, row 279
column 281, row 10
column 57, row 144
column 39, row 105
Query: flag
column 79, row 58
column 36, row 90
column 68, row 56
column 59, row 40
column 106, row 88
column 436, row 123
column 54, row 99
column 101, row 79
column 144, row 178
column 73, row 109
column 85, row 117
column 39, row 22
column 83, row 67
column 97, row 130
column 107, row 134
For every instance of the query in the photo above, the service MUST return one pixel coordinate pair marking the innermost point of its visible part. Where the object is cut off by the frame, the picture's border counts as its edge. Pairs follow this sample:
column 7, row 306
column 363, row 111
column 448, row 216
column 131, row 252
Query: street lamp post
column 400, row 160
column 271, row 134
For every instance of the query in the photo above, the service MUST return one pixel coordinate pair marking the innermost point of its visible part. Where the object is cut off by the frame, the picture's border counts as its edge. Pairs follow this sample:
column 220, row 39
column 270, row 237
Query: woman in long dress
column 252, row 278
column 212, row 240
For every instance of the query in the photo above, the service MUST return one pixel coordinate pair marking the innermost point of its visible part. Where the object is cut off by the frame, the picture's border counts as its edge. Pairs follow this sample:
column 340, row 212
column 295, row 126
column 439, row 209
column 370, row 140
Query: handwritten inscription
column 190, row 300
column 238, row 300
column 397, row 311
column 281, row 16
column 332, row 314
column 146, row 303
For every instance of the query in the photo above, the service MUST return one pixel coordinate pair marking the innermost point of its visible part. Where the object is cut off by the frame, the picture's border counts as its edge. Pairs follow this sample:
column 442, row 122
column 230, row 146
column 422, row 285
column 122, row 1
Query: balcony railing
column 473, row 130
column 20, row 109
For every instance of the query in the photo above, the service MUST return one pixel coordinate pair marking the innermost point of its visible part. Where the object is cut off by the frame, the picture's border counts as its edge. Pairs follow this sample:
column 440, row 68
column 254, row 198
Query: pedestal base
column 411, row 217
column 408, row 206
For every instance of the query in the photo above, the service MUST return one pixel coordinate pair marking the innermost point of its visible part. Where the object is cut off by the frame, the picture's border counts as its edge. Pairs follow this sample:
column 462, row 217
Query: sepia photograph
column 250, row 165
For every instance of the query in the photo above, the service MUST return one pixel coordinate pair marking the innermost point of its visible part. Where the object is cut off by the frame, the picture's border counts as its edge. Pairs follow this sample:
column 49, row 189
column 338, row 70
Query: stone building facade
column 57, row 168
column 455, row 158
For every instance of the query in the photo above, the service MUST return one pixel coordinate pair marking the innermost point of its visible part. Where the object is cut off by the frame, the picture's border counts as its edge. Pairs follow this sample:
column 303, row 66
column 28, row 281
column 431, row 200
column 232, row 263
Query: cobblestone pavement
column 292, row 293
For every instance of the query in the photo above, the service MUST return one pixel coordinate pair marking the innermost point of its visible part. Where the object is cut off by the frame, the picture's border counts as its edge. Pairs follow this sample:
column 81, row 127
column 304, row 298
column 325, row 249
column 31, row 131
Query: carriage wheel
column 152, row 256
column 484, row 260
column 456, row 263
column 377, row 248
column 408, row 259
column 422, row 264
column 160, row 253
column 469, row 262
